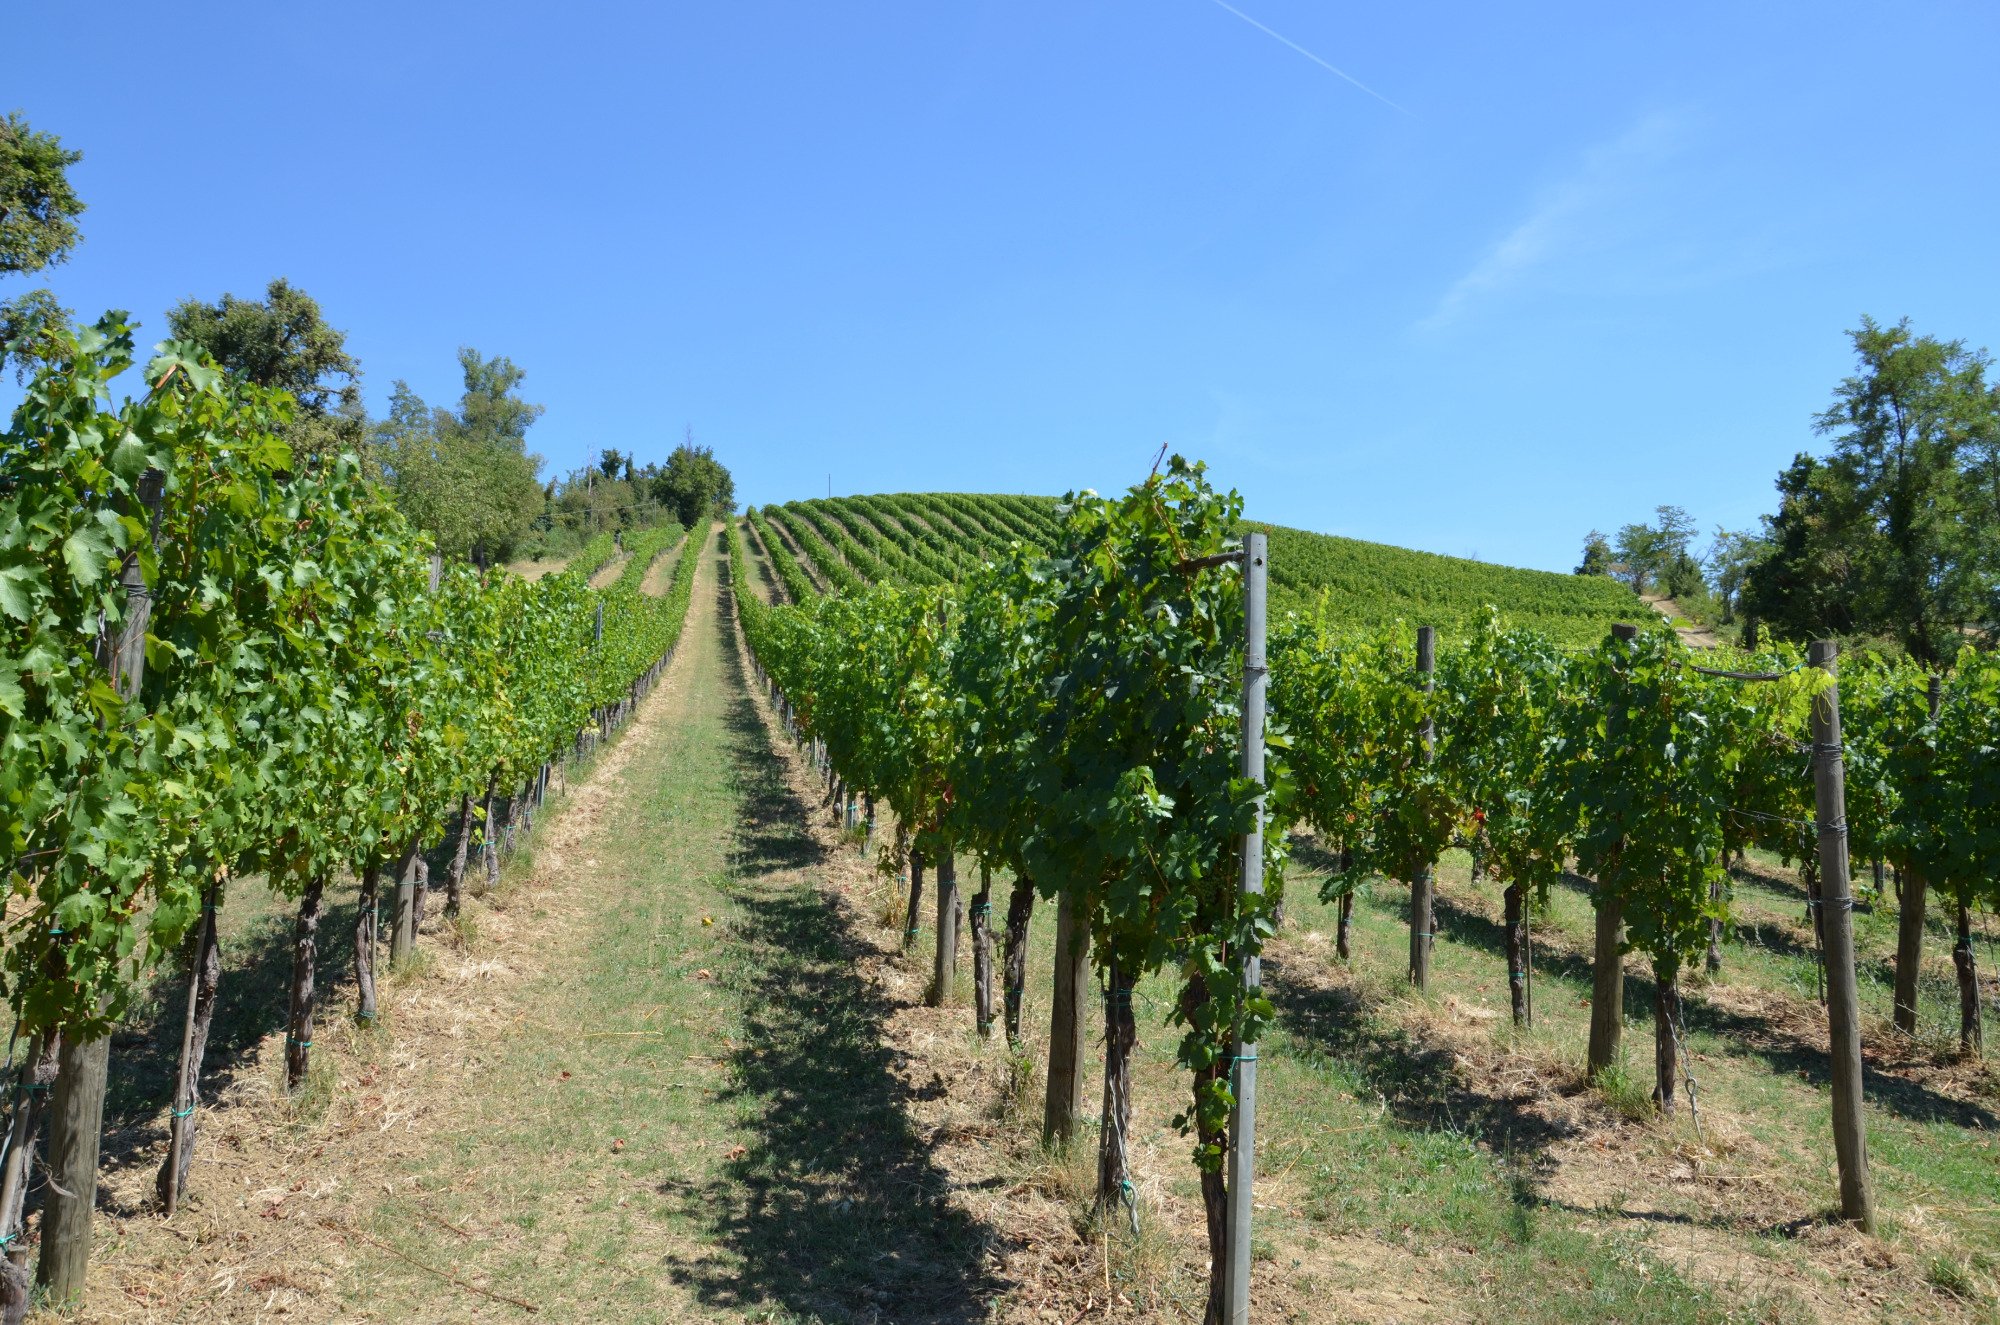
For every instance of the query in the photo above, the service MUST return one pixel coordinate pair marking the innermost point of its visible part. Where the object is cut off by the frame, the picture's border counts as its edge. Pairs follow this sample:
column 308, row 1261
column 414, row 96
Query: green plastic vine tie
column 183, row 1113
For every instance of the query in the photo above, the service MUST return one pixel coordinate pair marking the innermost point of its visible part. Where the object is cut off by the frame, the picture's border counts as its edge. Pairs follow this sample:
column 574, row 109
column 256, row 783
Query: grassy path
column 692, row 1115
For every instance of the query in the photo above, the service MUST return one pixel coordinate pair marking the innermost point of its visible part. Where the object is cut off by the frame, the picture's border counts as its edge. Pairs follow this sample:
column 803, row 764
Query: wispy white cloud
column 1330, row 68
column 1576, row 214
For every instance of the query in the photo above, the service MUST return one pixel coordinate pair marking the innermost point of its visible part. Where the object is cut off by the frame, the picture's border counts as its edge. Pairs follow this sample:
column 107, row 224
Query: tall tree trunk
column 76, row 1126
column 204, row 977
column 1423, row 896
column 305, row 955
column 1020, row 910
column 24, row 1134
column 454, row 880
column 914, row 912
column 1121, row 1032
column 982, row 952
column 1517, row 953
column 1970, row 1036
column 1909, row 949
column 1064, row 1100
column 1607, row 994
column 367, row 907
column 944, row 968
column 1666, row 1027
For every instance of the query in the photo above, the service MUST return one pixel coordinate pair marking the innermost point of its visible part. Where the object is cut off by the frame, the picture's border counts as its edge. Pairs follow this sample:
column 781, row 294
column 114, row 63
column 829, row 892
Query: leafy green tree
column 466, row 476
column 1800, row 588
column 1659, row 554
column 1730, row 559
column 283, row 341
column 694, row 484
column 1906, row 429
column 1895, row 532
column 1596, row 554
column 38, row 211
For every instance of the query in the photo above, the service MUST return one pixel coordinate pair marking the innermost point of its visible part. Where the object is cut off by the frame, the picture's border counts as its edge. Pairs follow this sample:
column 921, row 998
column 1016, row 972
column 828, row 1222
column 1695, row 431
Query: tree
column 467, row 477
column 1800, row 587
column 694, row 485
column 283, row 341
column 38, row 211
column 1895, row 532
column 1730, row 559
column 1596, row 554
column 1659, row 555
column 1906, row 430
column 1637, row 548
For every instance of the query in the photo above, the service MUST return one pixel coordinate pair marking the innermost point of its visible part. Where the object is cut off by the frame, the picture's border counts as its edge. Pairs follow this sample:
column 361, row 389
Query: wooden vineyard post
column 403, row 933
column 1910, row 918
column 76, row 1106
column 1423, row 888
column 1843, row 1003
column 945, row 964
column 1243, row 1119
column 1066, row 1032
column 1607, row 968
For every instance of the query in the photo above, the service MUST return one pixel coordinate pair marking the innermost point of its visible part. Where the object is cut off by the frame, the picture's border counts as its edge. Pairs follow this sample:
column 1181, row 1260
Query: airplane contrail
column 1310, row 56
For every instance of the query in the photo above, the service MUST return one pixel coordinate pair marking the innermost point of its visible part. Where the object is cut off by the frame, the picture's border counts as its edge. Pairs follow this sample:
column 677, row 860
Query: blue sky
column 1470, row 278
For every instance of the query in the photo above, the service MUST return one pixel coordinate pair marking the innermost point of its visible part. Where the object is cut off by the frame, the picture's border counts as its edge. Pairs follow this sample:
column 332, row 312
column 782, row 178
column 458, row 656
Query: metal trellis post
column 1243, row 1121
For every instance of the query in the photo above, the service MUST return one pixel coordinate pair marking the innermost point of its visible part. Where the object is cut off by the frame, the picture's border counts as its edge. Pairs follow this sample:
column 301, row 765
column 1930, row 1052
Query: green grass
column 695, row 1120
column 707, row 1121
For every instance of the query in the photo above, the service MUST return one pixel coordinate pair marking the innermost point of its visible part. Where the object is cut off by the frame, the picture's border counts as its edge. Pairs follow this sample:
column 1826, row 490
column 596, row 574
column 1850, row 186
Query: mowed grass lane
column 694, row 1116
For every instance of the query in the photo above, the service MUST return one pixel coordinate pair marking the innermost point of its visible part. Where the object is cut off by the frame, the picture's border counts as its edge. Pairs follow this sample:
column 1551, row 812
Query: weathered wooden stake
column 945, row 965
column 1064, row 1099
column 1850, row 1135
column 403, row 930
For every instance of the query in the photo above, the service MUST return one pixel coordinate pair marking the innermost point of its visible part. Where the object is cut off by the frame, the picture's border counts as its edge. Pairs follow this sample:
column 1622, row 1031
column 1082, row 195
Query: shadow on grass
column 252, row 1002
column 836, row 1211
column 1788, row 1228
column 1418, row 1079
column 1898, row 1092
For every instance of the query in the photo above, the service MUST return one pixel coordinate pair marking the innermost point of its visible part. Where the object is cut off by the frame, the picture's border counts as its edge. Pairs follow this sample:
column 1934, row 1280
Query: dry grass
column 284, row 1186
column 532, row 570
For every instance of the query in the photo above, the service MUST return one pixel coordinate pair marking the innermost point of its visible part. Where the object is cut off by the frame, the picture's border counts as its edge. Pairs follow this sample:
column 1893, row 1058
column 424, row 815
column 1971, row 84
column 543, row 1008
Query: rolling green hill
column 837, row 544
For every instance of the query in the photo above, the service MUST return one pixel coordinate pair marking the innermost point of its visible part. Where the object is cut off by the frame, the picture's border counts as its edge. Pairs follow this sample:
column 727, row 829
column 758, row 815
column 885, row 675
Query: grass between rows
column 702, row 1110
